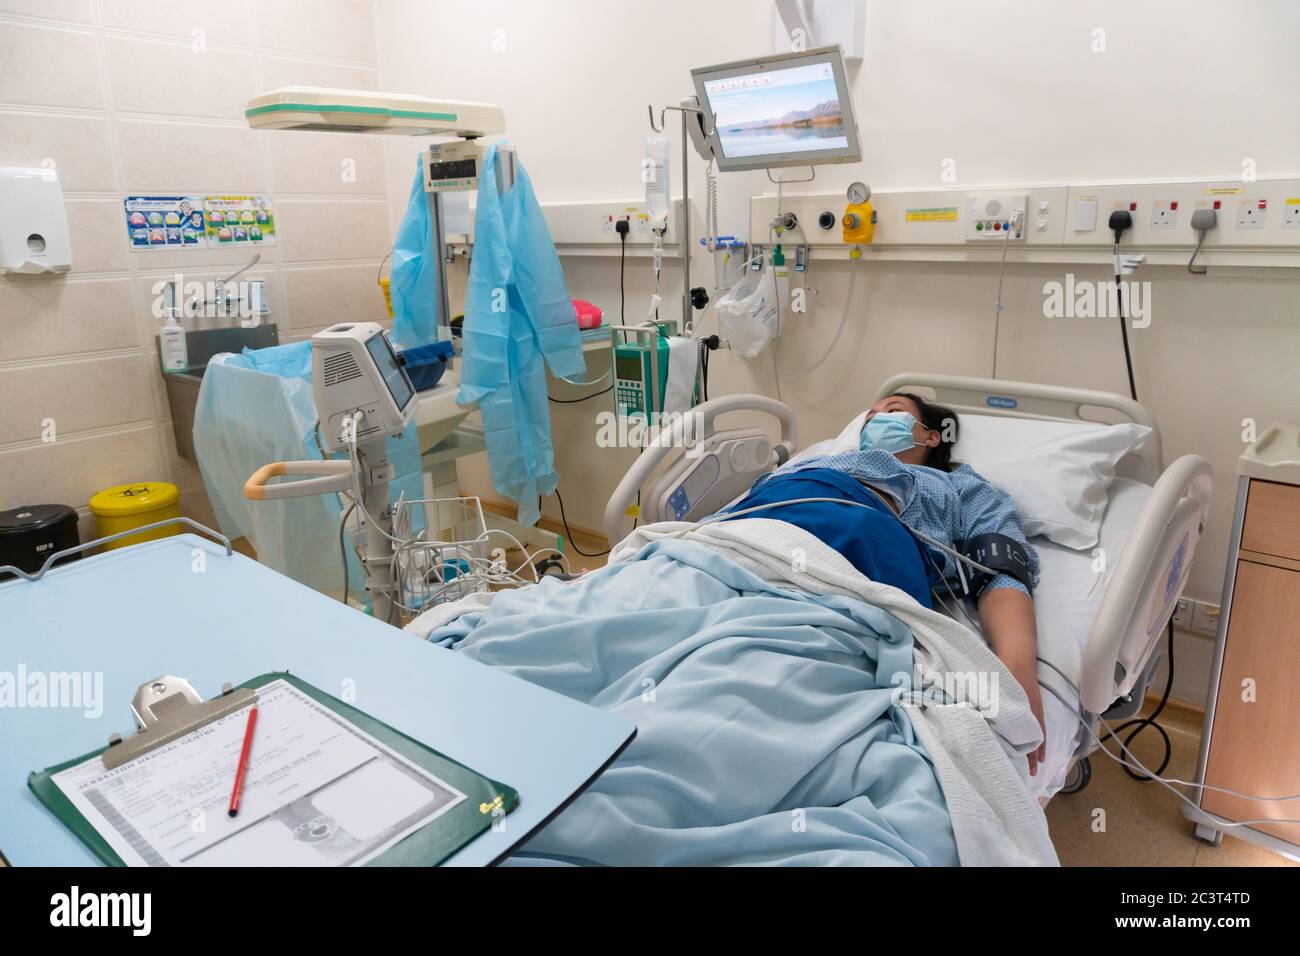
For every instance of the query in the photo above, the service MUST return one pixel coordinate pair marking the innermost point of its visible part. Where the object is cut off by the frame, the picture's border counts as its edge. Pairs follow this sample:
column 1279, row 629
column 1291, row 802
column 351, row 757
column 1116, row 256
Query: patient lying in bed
column 904, row 477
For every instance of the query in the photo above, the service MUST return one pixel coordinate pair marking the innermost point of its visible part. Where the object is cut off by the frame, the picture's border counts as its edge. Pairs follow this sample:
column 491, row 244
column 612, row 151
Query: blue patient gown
column 518, row 316
column 872, row 538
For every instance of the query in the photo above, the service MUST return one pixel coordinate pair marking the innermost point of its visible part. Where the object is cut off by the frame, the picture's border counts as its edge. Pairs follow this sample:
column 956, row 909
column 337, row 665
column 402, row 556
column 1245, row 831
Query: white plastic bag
column 747, row 312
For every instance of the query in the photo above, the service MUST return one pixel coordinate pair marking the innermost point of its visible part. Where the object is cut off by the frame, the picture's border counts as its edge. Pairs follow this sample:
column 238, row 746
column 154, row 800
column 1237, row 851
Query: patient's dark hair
column 942, row 419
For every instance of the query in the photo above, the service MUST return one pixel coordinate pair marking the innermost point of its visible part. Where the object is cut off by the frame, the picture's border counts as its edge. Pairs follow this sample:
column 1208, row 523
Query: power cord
column 569, row 532
column 1017, row 222
column 621, row 227
column 1121, row 220
column 343, row 548
column 585, row 398
column 1167, row 782
column 1203, row 220
column 1142, row 723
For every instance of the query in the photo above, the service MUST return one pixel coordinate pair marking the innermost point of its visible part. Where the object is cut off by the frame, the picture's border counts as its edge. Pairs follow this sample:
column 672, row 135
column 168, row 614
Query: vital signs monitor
column 354, row 369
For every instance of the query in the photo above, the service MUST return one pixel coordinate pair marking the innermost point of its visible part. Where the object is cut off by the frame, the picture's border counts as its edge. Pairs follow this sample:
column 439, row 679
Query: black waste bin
column 30, row 534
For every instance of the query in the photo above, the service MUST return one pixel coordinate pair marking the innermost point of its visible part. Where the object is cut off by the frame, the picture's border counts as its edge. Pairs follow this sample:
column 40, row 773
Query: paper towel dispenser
column 33, row 225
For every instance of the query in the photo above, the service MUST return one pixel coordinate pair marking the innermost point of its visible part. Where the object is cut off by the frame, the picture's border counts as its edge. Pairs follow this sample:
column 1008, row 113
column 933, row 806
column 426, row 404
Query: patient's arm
column 1007, row 620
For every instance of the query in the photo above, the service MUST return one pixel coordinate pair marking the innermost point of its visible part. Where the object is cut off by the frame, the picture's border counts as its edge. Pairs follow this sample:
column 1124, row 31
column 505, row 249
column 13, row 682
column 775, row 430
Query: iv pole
column 688, row 315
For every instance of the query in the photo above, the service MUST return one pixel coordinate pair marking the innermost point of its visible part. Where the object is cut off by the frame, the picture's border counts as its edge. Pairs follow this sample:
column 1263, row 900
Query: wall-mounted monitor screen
column 792, row 109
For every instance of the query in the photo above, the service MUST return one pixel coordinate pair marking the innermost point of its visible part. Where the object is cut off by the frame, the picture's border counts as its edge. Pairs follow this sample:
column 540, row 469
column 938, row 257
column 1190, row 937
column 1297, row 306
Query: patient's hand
column 1036, row 705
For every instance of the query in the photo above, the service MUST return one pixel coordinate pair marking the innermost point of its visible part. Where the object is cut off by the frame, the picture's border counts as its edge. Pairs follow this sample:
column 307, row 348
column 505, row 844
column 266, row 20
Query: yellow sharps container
column 131, row 506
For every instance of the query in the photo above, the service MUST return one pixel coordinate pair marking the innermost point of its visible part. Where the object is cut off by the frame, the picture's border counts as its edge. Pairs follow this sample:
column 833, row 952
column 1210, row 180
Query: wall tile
column 195, row 504
column 280, row 71
column 333, row 294
column 221, row 21
column 73, row 11
column 192, row 157
column 338, row 28
column 111, row 410
column 326, row 163
column 77, row 396
column 70, row 470
column 42, row 66
column 98, row 231
column 342, row 229
column 182, row 473
column 220, row 260
column 79, row 147
column 42, row 317
column 150, row 76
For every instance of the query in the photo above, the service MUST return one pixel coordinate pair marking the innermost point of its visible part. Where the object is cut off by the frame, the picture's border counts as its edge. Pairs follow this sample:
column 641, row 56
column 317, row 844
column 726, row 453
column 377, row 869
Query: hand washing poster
column 239, row 219
column 165, row 222
column 198, row 222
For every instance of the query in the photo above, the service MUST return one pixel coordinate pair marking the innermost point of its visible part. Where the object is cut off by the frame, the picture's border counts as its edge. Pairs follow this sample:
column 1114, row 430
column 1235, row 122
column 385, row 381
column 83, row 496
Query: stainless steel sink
column 200, row 346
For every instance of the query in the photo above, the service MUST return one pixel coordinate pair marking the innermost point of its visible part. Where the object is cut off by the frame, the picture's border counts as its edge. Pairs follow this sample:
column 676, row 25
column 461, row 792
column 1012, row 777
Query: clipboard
column 172, row 710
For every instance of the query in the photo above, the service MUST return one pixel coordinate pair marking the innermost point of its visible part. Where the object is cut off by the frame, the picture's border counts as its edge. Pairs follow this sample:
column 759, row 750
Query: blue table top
column 129, row 615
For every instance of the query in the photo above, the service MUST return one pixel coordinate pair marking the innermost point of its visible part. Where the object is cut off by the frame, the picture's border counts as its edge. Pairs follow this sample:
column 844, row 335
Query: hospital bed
column 1100, row 622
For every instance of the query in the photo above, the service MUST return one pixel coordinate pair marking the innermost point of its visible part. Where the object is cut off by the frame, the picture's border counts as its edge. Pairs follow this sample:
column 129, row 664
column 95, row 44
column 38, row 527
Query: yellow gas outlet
column 859, row 223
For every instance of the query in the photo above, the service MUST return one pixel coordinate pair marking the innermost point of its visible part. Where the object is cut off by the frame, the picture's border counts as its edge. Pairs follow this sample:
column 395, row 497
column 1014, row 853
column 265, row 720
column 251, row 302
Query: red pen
column 243, row 761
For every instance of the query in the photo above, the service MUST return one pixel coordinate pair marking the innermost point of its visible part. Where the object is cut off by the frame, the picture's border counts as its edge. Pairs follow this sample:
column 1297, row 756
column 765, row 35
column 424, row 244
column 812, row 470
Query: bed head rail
column 1002, row 398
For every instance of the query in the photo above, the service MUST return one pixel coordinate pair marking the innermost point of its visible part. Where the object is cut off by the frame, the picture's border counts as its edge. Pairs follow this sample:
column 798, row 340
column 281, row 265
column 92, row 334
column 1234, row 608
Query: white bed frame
column 1119, row 658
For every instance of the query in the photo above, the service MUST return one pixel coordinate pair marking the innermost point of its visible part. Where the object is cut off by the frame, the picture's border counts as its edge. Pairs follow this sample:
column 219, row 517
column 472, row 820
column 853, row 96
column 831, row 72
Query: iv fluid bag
column 654, row 173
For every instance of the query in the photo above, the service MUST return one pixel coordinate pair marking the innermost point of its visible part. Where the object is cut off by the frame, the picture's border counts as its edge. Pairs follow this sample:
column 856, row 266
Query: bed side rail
column 1146, row 584
column 700, row 420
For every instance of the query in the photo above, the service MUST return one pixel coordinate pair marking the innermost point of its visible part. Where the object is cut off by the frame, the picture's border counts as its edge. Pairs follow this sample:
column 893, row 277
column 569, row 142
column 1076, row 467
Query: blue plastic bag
column 413, row 283
column 518, row 316
column 257, row 408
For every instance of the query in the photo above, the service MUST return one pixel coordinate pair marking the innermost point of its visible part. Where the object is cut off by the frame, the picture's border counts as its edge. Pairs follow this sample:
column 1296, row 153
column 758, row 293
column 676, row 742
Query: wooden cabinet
column 1255, row 734
column 1251, row 738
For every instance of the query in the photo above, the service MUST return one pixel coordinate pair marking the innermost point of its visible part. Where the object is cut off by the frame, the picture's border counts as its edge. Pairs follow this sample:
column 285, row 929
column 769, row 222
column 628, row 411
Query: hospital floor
column 1143, row 824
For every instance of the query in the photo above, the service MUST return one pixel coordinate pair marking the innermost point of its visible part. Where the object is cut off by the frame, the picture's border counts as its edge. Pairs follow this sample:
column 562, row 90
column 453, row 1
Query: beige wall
column 136, row 96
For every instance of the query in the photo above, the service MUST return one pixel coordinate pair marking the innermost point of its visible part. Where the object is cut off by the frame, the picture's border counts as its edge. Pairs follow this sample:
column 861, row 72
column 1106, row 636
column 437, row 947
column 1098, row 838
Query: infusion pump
column 354, row 369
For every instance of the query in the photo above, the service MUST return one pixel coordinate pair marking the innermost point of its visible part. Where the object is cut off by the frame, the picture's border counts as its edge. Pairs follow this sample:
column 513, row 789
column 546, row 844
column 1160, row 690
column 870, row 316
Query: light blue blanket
column 767, row 724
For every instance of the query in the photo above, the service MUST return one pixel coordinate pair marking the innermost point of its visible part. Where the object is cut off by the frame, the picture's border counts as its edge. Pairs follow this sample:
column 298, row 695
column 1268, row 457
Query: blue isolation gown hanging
column 518, row 317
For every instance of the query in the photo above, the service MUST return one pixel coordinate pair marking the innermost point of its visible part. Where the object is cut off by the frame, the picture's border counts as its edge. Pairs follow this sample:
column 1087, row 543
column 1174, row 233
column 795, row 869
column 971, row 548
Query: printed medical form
column 319, row 792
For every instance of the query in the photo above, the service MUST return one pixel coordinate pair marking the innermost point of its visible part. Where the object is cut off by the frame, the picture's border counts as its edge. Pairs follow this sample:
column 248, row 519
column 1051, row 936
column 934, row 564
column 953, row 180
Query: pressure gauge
column 859, row 193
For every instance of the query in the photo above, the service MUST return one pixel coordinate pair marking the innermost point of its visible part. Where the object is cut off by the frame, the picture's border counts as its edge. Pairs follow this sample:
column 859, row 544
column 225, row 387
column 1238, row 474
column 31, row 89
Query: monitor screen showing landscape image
column 778, row 111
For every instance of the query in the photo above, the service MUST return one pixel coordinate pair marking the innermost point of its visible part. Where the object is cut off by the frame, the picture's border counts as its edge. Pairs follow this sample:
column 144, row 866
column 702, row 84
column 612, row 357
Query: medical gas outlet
column 1000, row 217
column 859, row 223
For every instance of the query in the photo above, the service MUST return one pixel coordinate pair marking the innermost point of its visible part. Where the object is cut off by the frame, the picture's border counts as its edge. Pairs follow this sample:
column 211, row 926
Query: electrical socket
column 1164, row 215
column 1205, row 617
column 1291, row 217
column 1199, row 616
column 1250, row 214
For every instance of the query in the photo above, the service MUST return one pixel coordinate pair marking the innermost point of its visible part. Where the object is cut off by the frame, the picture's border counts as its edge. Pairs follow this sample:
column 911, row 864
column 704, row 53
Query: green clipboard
column 430, row 845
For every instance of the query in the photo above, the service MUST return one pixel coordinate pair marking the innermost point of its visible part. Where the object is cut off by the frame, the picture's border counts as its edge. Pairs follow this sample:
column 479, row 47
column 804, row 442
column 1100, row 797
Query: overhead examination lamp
column 322, row 110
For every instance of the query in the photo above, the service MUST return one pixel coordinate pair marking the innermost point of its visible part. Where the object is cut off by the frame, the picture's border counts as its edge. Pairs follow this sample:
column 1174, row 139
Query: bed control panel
column 710, row 475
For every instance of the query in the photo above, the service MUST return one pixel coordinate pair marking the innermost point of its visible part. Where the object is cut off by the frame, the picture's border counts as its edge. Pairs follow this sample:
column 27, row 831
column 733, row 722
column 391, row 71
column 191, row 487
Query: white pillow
column 1057, row 473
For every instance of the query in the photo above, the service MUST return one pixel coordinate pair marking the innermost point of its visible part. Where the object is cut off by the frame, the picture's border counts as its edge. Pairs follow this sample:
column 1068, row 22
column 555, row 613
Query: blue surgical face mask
column 889, row 431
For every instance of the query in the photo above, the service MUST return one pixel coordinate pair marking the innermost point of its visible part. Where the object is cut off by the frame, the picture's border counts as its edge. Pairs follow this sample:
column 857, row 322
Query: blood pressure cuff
column 1002, row 554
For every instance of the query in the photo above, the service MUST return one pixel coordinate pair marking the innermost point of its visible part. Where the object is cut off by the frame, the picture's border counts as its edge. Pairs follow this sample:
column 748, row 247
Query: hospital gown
column 949, row 506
